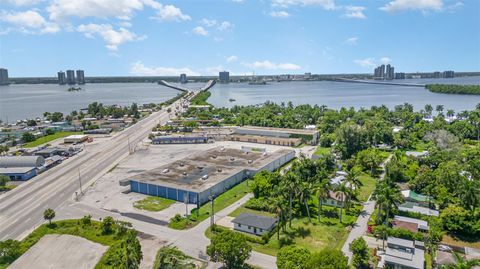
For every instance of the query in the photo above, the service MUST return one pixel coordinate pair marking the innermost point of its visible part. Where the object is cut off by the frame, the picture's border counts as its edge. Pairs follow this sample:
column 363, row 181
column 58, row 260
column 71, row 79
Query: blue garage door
column 152, row 189
column 162, row 192
column 143, row 188
column 172, row 193
column 181, row 195
column 134, row 186
column 192, row 197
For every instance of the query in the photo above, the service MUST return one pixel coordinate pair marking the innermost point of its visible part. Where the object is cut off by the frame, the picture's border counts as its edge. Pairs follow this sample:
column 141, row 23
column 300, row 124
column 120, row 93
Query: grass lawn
column 48, row 138
column 7, row 188
column 242, row 209
column 223, row 200
column 367, row 188
column 322, row 150
column 92, row 232
column 153, row 203
column 454, row 241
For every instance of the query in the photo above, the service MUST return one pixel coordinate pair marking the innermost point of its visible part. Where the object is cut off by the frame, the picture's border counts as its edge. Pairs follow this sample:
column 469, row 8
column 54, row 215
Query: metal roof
column 21, row 161
column 16, row 170
column 265, row 223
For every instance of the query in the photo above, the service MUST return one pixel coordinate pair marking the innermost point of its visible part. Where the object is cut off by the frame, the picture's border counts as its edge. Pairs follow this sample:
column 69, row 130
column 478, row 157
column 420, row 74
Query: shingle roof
column 257, row 221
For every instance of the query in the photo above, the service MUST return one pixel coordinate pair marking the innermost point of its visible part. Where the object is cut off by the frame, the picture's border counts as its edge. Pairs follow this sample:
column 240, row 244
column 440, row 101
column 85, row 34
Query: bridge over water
column 207, row 86
column 379, row 82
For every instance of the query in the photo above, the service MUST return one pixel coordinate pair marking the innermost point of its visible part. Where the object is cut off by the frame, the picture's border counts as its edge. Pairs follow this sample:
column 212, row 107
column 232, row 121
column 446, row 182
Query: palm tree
column 353, row 181
column 387, row 196
column 321, row 189
column 450, row 113
column 342, row 191
column 461, row 263
column 470, row 194
column 428, row 109
column 289, row 185
column 439, row 108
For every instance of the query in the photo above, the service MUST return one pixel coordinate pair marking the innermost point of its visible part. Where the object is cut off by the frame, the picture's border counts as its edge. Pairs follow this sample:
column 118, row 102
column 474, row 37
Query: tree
column 10, row 250
column 129, row 254
column 322, row 189
column 461, row 263
column 107, row 225
column 49, row 131
column 387, row 196
column 49, row 214
column 361, row 256
column 293, row 257
column 28, row 137
column 3, row 181
column 31, row 123
column 328, row 259
column 439, row 108
column 429, row 109
column 351, row 138
column 369, row 159
column 470, row 194
column 230, row 248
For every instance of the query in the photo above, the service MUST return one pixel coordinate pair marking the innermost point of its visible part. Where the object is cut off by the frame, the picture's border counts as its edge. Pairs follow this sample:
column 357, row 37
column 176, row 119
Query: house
column 416, row 208
column 402, row 254
column 420, row 199
column 254, row 224
column 19, row 173
column 334, row 199
column 417, row 154
column 411, row 224
column 48, row 152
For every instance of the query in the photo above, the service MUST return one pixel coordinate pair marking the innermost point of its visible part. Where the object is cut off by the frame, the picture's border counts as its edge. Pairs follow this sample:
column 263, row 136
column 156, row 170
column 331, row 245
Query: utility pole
column 212, row 217
column 186, row 205
column 128, row 141
column 80, row 181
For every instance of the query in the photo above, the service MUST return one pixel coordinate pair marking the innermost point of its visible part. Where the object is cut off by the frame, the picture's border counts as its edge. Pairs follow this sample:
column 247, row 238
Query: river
column 30, row 101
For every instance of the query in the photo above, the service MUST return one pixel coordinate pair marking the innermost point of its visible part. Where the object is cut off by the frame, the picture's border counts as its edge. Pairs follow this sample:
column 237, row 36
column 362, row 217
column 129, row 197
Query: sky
column 203, row 37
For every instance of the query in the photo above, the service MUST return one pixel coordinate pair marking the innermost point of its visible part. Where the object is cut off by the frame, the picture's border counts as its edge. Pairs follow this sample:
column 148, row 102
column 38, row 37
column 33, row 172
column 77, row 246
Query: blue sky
column 200, row 37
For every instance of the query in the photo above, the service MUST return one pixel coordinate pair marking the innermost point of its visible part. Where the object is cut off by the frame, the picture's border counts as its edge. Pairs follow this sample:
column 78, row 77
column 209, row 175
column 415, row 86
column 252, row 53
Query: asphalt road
column 21, row 209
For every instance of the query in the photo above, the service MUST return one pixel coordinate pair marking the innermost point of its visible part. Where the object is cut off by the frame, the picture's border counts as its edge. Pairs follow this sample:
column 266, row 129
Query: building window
column 239, row 225
column 249, row 227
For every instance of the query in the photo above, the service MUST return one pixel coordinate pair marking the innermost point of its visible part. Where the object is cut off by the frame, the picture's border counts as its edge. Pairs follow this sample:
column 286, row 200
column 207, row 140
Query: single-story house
column 411, row 196
column 417, row 154
column 254, row 224
column 411, row 224
column 416, row 208
column 402, row 254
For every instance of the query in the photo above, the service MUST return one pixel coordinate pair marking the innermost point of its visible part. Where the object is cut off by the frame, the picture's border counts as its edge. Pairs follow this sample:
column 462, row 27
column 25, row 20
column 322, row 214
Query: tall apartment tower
column 80, row 77
column 70, row 77
column 183, row 78
column 449, row 74
column 224, row 76
column 61, row 78
column 3, row 76
column 389, row 72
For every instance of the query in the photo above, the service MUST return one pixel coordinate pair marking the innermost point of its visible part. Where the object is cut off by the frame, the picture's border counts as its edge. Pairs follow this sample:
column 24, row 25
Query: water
column 341, row 94
column 30, row 101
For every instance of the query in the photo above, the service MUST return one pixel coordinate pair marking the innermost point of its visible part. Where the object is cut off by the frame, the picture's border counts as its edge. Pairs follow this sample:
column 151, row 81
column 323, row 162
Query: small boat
column 232, row 100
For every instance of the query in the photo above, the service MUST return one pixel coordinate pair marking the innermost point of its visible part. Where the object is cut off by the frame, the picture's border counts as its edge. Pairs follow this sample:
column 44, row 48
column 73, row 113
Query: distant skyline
column 166, row 38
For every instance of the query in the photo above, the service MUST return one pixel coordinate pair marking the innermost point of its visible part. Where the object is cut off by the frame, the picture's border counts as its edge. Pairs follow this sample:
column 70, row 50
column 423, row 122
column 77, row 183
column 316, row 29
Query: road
column 21, row 209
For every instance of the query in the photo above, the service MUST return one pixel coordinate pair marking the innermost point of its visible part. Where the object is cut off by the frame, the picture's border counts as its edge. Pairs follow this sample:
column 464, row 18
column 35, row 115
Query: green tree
column 49, row 131
column 470, row 194
column 328, row 259
column 107, row 225
column 293, row 257
column 28, row 137
column 10, row 250
column 359, row 249
column 49, row 214
column 230, row 248
column 3, row 181
column 129, row 253
column 351, row 138
column 31, row 123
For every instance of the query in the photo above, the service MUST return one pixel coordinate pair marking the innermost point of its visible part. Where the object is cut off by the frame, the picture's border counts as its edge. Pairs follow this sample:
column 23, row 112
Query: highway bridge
column 379, row 82
column 207, row 86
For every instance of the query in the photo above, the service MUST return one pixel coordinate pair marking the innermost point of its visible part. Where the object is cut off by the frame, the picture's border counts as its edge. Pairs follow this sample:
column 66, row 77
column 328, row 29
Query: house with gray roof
column 402, row 254
column 254, row 224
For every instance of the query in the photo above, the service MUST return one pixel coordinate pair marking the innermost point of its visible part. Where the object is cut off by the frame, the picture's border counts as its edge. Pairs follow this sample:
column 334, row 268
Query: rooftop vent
column 165, row 170
column 219, row 170
column 205, row 177
column 182, row 164
column 232, row 159
column 184, row 174
column 250, row 161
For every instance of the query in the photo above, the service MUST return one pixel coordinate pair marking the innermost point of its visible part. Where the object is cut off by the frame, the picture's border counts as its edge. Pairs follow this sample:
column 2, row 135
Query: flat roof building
column 402, row 254
column 211, row 172
column 62, row 80
column 21, row 161
column 3, row 76
column 416, row 208
column 411, row 224
column 19, row 173
column 224, row 77
column 306, row 135
column 75, row 139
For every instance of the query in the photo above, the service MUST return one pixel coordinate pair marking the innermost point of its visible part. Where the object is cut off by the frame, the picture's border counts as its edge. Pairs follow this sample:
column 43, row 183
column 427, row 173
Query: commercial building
column 80, row 77
column 402, row 254
column 400, row 75
column 75, row 139
column 19, row 173
column 308, row 136
column 180, row 140
column 449, row 74
column 20, row 167
column 254, row 224
column 62, row 80
column 224, row 77
column 183, row 78
column 3, row 76
column 48, row 152
column 70, row 77
column 197, row 178
column 281, row 141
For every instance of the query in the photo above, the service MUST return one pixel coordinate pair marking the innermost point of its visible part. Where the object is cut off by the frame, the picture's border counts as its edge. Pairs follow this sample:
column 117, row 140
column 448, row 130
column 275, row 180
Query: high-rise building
column 80, row 77
column 224, row 76
column 307, row 76
column 3, row 76
column 449, row 74
column 379, row 72
column 437, row 74
column 399, row 75
column 70, row 77
column 390, row 72
column 61, row 78
column 183, row 78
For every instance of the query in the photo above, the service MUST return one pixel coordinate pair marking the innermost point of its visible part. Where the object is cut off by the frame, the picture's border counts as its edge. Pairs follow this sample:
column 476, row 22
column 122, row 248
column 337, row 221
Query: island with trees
column 454, row 88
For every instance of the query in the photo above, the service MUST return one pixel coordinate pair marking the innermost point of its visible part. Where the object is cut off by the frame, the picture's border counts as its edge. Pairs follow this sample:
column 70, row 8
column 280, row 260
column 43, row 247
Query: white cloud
column 279, row 14
column 355, row 12
column 422, row 5
column 372, row 62
column 225, row 25
column 172, row 13
column 112, row 37
column 139, row 69
column 352, row 40
column 232, row 59
column 208, row 23
column 385, row 60
column 199, row 30
column 30, row 22
column 272, row 66
column 367, row 62
column 122, row 9
column 23, row 2
column 326, row 4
